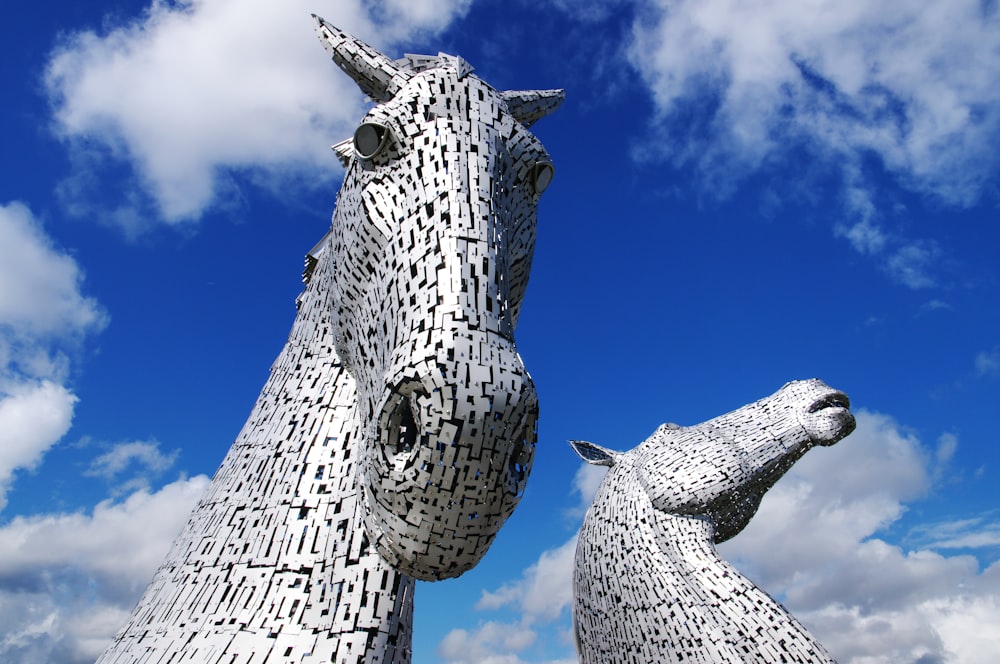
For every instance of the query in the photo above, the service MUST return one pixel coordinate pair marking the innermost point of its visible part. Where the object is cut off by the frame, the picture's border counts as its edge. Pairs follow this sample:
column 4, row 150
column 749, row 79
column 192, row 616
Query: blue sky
column 746, row 193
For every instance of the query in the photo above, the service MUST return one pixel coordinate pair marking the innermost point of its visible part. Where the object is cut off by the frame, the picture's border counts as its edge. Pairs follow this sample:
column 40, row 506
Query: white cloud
column 908, row 85
column 586, row 482
column 490, row 643
column 131, row 466
column 69, row 581
column 39, row 284
column 432, row 15
column 33, row 417
column 196, row 90
column 144, row 456
column 43, row 318
column 970, row 533
column 544, row 591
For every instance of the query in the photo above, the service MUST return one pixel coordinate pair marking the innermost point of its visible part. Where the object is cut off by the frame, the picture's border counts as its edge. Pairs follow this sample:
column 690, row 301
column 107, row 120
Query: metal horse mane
column 397, row 429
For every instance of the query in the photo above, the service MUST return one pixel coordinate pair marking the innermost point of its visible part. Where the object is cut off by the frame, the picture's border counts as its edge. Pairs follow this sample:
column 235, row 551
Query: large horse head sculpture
column 430, row 249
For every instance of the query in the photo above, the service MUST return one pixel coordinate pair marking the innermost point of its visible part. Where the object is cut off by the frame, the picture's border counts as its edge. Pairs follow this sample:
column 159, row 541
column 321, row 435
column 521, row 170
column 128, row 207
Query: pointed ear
column 594, row 454
column 378, row 77
column 344, row 151
column 529, row 106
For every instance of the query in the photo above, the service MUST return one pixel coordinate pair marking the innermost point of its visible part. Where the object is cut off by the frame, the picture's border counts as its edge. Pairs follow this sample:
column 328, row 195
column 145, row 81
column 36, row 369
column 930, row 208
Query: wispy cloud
column 544, row 590
column 979, row 532
column 192, row 92
column 934, row 305
column 855, row 89
column 586, row 482
column 988, row 362
column 141, row 456
column 131, row 466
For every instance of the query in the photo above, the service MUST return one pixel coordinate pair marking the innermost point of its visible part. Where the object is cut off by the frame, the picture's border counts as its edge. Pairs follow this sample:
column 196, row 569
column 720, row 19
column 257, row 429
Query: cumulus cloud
column 39, row 284
column 833, row 86
column 33, row 417
column 545, row 589
column 69, row 581
column 490, row 643
column 194, row 91
column 816, row 544
column 43, row 318
column 586, row 481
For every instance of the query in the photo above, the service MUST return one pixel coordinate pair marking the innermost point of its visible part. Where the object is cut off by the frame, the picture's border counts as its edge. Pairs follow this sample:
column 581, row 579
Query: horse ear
column 594, row 454
column 344, row 151
column 378, row 77
column 529, row 106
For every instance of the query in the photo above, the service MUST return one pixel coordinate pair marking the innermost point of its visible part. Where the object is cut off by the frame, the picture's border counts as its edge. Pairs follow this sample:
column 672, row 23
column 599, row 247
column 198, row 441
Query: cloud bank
column 815, row 545
column 69, row 581
column 194, row 92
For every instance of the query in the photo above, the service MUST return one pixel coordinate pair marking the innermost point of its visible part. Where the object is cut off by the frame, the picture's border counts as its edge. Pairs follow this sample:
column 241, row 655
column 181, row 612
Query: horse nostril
column 522, row 453
column 402, row 430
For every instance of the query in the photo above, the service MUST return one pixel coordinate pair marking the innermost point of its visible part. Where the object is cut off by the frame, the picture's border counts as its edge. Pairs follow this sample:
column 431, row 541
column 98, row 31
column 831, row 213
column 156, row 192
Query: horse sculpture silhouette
column 397, row 429
column 648, row 584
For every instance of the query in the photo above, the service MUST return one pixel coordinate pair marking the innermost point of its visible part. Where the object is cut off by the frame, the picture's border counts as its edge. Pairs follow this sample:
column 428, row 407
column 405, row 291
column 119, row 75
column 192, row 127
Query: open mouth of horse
column 831, row 400
column 828, row 419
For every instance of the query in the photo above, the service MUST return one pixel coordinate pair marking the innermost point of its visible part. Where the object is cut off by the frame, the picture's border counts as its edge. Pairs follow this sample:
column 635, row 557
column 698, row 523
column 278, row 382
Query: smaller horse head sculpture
column 429, row 251
column 648, row 540
column 722, row 468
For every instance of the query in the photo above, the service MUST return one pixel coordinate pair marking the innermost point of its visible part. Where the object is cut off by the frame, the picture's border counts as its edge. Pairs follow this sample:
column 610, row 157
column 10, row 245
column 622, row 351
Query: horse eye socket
column 541, row 175
column 370, row 139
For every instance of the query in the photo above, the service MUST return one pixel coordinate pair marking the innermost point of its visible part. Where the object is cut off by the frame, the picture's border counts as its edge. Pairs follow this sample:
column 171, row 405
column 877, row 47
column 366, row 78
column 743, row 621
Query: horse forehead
column 441, row 93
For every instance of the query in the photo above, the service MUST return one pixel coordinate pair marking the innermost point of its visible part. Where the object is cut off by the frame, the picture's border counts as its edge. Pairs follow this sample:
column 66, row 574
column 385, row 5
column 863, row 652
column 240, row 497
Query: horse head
column 721, row 468
column 430, row 250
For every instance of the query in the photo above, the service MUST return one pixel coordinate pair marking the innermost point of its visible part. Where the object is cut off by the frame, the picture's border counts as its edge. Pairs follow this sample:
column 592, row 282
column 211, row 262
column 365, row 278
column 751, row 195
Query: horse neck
column 673, row 598
column 275, row 558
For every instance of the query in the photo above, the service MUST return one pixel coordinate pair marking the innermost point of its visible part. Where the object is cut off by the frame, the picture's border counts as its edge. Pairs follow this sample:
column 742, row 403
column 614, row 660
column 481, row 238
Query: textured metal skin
column 648, row 583
column 396, row 431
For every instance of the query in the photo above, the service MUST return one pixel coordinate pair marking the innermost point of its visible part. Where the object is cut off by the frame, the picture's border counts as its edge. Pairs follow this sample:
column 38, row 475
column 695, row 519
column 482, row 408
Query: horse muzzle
column 451, row 457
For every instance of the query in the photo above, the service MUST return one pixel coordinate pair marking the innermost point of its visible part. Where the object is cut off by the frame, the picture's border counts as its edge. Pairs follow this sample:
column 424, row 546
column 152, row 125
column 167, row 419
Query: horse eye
column 541, row 175
column 370, row 139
